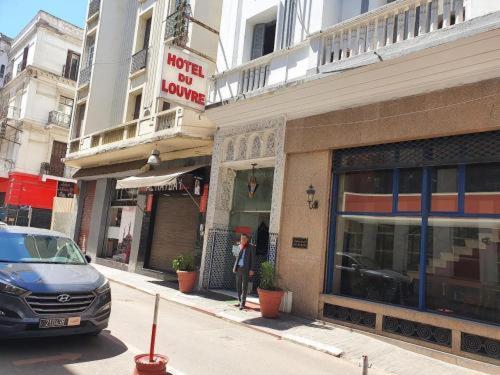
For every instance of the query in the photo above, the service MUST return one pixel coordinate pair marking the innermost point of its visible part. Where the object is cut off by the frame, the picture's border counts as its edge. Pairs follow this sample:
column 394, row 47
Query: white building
column 303, row 89
column 123, row 114
column 5, row 43
column 36, row 104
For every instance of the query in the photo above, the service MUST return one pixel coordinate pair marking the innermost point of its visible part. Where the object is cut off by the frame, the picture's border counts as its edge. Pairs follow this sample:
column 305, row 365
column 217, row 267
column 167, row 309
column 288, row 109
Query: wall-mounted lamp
column 311, row 192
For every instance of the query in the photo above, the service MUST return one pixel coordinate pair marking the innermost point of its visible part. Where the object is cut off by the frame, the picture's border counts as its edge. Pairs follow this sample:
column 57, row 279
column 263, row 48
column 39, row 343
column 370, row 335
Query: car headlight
column 103, row 288
column 5, row 287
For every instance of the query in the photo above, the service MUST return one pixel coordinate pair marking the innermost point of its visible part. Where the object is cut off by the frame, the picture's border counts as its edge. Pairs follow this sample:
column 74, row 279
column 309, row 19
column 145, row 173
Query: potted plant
column 186, row 272
column 269, row 294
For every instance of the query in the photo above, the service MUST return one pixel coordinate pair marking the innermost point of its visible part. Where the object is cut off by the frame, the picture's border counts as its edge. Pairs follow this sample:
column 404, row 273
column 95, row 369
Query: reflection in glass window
column 366, row 191
column 482, row 188
column 463, row 268
column 444, row 188
column 377, row 259
column 410, row 189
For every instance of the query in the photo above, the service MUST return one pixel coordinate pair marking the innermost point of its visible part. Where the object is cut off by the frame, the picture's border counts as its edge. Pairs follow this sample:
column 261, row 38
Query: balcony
column 84, row 76
column 94, row 7
column 174, row 129
column 403, row 48
column 139, row 61
column 10, row 112
column 392, row 24
column 59, row 119
column 177, row 25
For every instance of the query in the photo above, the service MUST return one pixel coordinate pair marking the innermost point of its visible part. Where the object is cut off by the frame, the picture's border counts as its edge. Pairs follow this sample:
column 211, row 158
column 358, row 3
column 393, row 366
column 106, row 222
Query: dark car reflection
column 362, row 277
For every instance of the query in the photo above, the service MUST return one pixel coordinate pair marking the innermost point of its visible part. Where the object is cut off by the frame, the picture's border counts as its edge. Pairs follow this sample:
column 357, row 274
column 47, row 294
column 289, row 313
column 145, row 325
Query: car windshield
column 29, row 248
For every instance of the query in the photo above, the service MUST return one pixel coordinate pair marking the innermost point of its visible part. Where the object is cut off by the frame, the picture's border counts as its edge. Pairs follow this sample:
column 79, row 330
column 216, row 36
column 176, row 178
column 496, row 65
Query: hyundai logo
column 63, row 298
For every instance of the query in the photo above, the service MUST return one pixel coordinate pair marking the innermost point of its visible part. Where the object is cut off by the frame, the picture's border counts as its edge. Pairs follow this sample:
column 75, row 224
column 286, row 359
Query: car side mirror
column 88, row 258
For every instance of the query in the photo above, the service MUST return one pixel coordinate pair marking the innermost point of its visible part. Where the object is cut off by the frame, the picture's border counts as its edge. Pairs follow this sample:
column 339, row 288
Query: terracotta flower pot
column 187, row 280
column 270, row 301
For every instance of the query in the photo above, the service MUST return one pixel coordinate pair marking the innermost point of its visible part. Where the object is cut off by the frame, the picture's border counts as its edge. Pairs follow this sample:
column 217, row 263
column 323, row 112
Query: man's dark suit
column 242, row 272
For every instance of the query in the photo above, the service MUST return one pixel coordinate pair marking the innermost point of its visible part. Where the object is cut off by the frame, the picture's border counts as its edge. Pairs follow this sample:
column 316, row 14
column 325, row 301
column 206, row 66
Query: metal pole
column 365, row 365
column 153, row 331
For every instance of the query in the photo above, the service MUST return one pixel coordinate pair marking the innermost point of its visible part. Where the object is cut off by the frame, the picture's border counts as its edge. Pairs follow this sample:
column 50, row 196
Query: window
column 463, row 268
column 2, row 70
column 72, row 64
column 288, row 24
column 366, row 191
column 482, row 188
column 147, row 32
column 381, row 251
column 364, row 6
column 65, row 105
column 137, row 107
column 444, row 189
column 410, row 189
column 263, row 39
column 378, row 259
column 80, row 115
column 56, row 163
column 25, row 57
column 90, row 55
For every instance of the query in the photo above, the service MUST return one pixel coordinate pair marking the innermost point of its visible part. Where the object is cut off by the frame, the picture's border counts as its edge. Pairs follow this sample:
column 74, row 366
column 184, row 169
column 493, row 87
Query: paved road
column 195, row 342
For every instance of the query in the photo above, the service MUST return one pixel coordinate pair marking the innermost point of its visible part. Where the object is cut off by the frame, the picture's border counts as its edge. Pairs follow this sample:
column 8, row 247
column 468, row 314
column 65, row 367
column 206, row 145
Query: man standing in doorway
column 244, row 269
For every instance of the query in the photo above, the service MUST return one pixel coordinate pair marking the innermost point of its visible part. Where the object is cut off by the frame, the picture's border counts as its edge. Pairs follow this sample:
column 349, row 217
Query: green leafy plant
column 183, row 263
column 267, row 277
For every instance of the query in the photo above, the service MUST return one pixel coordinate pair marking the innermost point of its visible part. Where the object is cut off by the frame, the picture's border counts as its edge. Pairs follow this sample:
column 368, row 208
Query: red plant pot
column 270, row 301
column 187, row 281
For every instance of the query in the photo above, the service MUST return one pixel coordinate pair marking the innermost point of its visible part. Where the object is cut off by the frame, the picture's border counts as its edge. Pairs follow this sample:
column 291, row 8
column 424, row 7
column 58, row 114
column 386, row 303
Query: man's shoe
column 242, row 307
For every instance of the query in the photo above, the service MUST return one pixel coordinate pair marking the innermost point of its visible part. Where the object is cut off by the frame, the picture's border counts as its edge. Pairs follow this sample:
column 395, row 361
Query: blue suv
column 47, row 287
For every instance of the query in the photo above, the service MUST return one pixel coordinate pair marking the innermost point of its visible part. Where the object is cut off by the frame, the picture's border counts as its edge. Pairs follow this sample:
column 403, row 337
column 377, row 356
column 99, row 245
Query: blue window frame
column 438, row 246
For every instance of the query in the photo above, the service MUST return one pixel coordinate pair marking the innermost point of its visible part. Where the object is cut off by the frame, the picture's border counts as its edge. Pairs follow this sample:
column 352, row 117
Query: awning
column 156, row 177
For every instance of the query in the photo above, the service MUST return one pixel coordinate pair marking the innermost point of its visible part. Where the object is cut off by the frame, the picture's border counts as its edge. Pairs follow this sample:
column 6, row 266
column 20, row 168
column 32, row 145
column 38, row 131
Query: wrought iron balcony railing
column 85, row 75
column 177, row 24
column 94, row 7
column 59, row 119
column 139, row 61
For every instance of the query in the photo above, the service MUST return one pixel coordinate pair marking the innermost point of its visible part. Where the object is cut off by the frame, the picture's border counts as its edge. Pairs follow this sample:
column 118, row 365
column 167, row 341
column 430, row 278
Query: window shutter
column 365, row 4
column 259, row 32
column 25, row 57
column 66, row 69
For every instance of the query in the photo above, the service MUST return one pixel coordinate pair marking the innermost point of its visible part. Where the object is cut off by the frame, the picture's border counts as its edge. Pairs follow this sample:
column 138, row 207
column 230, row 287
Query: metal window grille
column 468, row 148
column 219, row 258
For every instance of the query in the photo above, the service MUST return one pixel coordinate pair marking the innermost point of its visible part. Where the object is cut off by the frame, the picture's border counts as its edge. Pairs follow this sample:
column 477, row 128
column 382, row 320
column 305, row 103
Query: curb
column 327, row 349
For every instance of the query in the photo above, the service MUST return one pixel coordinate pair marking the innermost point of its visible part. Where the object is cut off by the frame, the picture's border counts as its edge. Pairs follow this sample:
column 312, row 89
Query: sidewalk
column 384, row 354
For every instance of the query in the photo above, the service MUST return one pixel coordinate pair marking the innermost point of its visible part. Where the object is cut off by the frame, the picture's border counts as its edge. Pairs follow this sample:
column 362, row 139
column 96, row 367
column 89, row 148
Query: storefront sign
column 299, row 242
column 181, row 184
column 184, row 79
column 65, row 189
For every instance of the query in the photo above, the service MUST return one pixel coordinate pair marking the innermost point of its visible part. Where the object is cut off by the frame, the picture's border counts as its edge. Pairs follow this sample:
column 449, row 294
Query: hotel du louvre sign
column 183, row 79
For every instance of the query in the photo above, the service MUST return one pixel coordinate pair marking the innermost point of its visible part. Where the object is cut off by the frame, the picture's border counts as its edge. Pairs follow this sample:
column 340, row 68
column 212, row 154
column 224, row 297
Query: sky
column 15, row 14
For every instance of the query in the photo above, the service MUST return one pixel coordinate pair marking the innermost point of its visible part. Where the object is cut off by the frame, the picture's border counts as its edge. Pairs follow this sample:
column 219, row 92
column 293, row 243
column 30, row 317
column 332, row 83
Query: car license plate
column 59, row 322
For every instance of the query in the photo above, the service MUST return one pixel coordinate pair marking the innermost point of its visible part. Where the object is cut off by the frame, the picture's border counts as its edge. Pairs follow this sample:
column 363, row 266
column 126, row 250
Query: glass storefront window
column 410, row 190
column 369, row 191
column 444, row 189
column 463, row 268
column 482, row 189
column 377, row 258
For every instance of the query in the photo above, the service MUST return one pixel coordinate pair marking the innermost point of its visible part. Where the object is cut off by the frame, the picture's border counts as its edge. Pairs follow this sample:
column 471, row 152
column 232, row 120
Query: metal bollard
column 365, row 365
